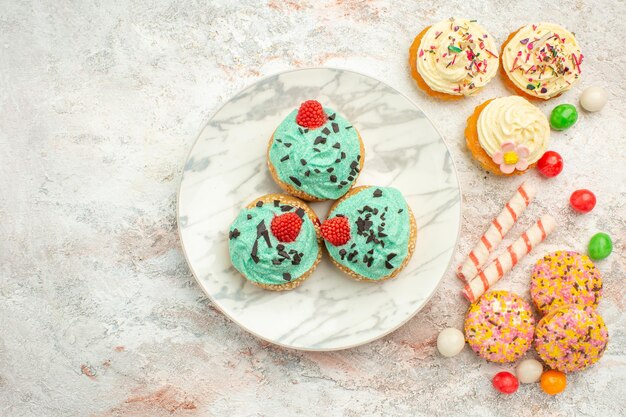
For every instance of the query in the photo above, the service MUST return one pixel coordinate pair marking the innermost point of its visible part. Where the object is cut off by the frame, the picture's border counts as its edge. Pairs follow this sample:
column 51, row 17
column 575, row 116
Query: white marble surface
column 99, row 314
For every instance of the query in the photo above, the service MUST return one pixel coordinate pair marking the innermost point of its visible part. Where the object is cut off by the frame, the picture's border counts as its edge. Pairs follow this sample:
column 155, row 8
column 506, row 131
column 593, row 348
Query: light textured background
column 99, row 105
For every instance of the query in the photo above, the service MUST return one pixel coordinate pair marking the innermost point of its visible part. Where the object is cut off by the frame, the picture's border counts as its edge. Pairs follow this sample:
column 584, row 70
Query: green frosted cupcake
column 315, row 154
column 275, row 242
column 370, row 233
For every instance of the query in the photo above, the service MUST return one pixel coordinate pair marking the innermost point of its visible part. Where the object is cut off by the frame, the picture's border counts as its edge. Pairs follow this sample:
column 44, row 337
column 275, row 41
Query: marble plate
column 226, row 169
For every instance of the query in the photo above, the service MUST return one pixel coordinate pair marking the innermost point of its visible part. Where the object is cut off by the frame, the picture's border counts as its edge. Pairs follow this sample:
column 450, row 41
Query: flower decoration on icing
column 511, row 157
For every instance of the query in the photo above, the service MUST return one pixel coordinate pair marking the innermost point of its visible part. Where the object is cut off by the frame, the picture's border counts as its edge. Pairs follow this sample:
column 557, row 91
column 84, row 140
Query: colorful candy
column 550, row 164
column 593, row 98
column 553, row 382
column 600, row 246
column 583, row 201
column 505, row 382
column 563, row 117
column 450, row 342
column 529, row 371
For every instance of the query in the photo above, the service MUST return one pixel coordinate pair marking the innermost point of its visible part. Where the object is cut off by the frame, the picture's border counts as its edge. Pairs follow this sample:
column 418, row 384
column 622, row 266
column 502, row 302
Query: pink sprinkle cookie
column 499, row 327
column 571, row 338
column 564, row 277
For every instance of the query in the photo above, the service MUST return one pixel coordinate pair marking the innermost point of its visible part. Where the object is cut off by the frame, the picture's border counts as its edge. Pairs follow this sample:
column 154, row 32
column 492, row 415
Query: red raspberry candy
column 286, row 227
column 336, row 231
column 311, row 115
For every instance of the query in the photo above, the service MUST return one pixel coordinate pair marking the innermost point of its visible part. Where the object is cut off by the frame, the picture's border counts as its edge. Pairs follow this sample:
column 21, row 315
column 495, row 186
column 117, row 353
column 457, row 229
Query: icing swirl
column 259, row 256
column 513, row 120
column 543, row 60
column 380, row 230
column 457, row 57
column 322, row 162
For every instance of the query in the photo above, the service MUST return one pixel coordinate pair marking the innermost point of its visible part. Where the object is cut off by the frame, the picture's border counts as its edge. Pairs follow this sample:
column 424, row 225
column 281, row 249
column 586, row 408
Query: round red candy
column 550, row 164
column 583, row 201
column 505, row 382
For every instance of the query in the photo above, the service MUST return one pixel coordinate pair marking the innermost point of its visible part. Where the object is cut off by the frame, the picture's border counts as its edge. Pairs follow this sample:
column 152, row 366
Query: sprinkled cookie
column 571, row 338
column 499, row 326
column 315, row 154
column 541, row 61
column 562, row 278
column 370, row 233
column 453, row 58
column 274, row 242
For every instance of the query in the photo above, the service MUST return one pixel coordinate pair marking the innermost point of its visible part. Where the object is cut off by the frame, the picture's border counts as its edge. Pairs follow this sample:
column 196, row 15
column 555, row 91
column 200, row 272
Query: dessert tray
column 226, row 168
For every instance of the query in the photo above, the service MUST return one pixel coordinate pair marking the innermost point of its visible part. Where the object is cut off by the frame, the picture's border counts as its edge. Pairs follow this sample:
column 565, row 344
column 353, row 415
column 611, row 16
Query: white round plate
column 226, row 169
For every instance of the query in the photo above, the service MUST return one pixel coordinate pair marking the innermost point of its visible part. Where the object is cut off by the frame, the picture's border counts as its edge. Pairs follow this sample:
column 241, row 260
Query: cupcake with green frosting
column 370, row 233
column 315, row 154
column 275, row 242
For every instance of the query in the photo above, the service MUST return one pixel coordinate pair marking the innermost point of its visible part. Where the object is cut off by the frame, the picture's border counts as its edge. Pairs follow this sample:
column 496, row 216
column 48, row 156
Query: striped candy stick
column 509, row 258
column 498, row 228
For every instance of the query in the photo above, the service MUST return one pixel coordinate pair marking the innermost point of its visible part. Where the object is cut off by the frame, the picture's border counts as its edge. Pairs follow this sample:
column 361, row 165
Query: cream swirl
column 457, row 57
column 513, row 120
column 543, row 60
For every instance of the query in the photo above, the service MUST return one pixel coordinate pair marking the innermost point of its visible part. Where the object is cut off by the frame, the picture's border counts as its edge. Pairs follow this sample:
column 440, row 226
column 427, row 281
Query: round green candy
column 563, row 117
column 600, row 246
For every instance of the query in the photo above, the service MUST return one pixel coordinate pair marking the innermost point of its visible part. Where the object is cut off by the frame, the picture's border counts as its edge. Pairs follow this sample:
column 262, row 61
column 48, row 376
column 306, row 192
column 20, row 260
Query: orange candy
column 553, row 382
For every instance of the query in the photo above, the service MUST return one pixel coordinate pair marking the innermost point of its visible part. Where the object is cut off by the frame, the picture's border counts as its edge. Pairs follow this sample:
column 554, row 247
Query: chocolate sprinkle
column 333, row 178
column 350, row 178
column 276, row 203
column 342, row 253
column 249, row 216
column 300, row 212
column 255, row 248
column 316, row 150
column 285, row 207
column 319, row 140
column 335, row 127
column 337, row 145
column 316, row 170
column 234, row 234
column 287, row 276
column 288, row 145
column 277, row 261
column 400, row 211
column 329, row 170
column 391, row 256
column 259, row 204
column 343, row 155
column 326, row 131
column 337, row 161
column 295, row 181
column 300, row 130
column 348, row 127
column 388, row 265
column 307, row 173
column 284, row 158
column 332, row 116
column 303, row 161
column 378, row 193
